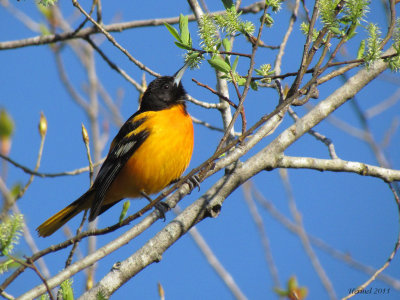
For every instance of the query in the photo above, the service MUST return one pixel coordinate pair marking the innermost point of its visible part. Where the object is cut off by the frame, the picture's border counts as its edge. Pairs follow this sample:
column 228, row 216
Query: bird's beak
column 178, row 75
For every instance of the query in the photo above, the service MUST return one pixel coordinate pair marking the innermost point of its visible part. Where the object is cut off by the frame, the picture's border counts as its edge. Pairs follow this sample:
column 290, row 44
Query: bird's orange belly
column 162, row 157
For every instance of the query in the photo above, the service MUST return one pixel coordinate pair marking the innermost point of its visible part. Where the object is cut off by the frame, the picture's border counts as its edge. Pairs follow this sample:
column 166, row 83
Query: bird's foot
column 160, row 207
column 193, row 182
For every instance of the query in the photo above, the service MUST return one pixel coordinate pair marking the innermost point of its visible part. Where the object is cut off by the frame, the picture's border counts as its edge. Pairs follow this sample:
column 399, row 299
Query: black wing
column 124, row 146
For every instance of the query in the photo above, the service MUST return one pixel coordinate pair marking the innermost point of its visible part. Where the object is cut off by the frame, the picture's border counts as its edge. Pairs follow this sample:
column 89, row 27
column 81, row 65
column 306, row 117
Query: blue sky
column 356, row 215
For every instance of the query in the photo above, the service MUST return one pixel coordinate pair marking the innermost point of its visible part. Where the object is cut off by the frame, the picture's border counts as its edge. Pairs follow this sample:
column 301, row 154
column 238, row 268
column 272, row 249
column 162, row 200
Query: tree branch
column 338, row 165
column 116, row 27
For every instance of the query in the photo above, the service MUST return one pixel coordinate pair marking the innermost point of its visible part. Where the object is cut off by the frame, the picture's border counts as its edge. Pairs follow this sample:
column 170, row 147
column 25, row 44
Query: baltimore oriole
column 151, row 150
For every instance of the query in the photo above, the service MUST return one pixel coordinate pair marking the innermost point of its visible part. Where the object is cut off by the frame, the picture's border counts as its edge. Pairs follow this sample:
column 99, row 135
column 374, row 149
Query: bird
column 151, row 150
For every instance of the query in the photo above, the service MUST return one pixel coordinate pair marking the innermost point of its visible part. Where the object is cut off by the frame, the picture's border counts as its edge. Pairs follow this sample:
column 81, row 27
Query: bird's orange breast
column 162, row 158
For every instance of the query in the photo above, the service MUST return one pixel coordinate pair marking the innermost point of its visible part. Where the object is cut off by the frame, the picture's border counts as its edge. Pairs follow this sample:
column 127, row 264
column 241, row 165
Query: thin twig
column 328, row 142
column 282, row 47
column 39, row 158
column 209, row 126
column 246, row 86
column 222, row 52
column 31, row 265
column 304, row 236
column 50, row 175
column 342, row 256
column 111, row 106
column 28, row 237
column 8, row 204
column 350, row 64
column 391, row 256
column 117, row 27
column 204, row 104
column 247, row 191
column 20, row 15
column 242, row 113
column 76, row 243
column 214, row 261
column 114, row 66
column 383, row 105
column 7, row 295
column 215, row 92
column 87, row 146
column 392, row 24
column 113, row 41
column 306, row 11
column 99, row 11
column 80, row 100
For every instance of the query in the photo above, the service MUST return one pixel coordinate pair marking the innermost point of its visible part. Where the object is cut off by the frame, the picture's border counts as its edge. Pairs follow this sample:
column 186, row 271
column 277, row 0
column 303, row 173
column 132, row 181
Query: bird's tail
column 63, row 216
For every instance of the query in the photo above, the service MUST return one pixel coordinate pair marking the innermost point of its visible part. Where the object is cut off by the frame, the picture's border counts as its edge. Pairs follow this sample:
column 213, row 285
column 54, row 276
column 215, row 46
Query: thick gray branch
column 338, row 165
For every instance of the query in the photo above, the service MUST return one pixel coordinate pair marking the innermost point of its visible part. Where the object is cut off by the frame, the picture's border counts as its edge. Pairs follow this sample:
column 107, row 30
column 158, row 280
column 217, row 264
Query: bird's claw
column 193, row 182
column 162, row 208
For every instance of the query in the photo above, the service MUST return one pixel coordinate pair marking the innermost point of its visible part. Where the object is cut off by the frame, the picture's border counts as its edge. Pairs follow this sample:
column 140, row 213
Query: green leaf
column 280, row 292
column 6, row 125
column 47, row 2
column 66, row 290
column 45, row 297
column 235, row 62
column 228, row 4
column 193, row 59
column 345, row 20
column 241, row 81
column 184, row 29
column 219, row 64
column 361, row 50
column 227, row 45
column 125, row 208
column 183, row 46
column 10, row 230
column 8, row 264
column 374, row 40
column 208, row 33
column 254, row 85
column 274, row 4
column 218, row 45
column 44, row 9
column 336, row 30
column 173, row 31
column 351, row 32
column 15, row 190
column 227, row 60
column 269, row 21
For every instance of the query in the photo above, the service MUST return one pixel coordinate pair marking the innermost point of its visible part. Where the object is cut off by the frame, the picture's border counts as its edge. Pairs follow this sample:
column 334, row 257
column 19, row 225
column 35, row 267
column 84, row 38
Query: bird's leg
column 161, row 207
column 191, row 181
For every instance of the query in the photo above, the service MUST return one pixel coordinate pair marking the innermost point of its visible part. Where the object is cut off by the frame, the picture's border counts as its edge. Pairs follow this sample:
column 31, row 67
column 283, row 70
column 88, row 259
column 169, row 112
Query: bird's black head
column 162, row 93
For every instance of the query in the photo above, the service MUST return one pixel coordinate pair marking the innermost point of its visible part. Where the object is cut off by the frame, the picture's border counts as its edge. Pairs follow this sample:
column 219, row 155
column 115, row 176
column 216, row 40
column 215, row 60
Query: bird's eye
column 166, row 86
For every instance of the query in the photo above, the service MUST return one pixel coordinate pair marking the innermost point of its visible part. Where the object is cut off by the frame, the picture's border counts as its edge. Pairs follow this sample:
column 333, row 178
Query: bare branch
column 282, row 47
column 318, row 136
column 338, row 165
column 214, row 262
column 247, row 191
column 117, row 27
column 113, row 41
column 304, row 236
column 391, row 256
